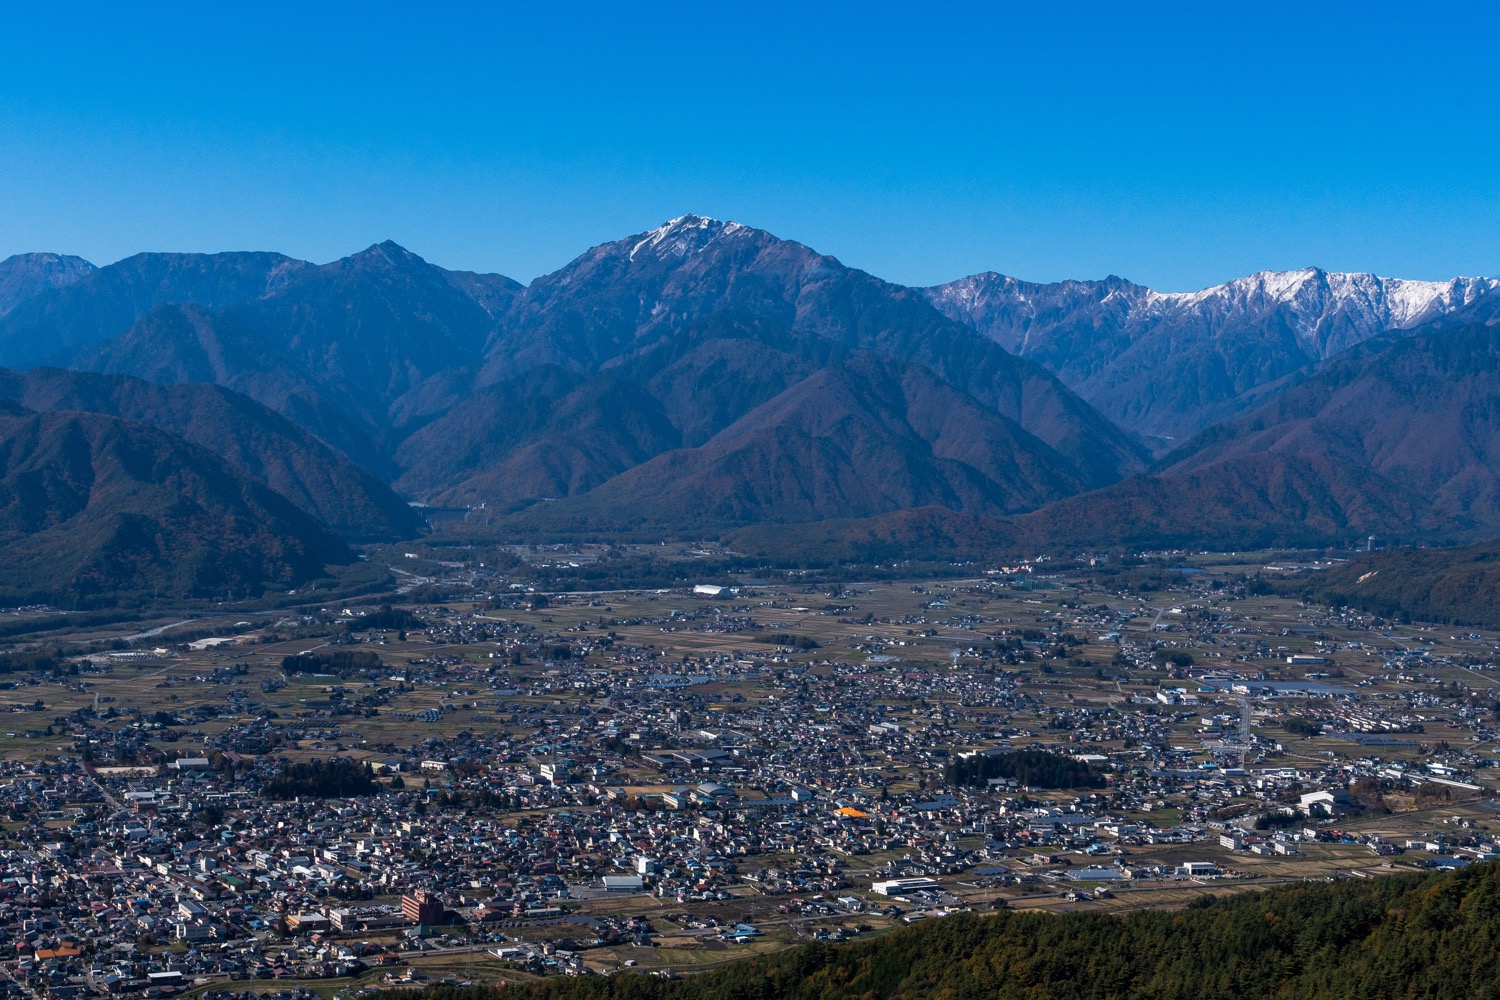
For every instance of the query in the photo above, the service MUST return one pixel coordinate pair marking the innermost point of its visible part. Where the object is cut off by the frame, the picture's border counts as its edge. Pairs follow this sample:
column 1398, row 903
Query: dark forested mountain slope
column 264, row 445
column 544, row 435
column 927, row 534
column 1422, row 415
column 1261, row 501
column 551, row 433
column 1400, row 437
column 1265, row 501
column 95, row 507
column 861, row 437
column 1451, row 586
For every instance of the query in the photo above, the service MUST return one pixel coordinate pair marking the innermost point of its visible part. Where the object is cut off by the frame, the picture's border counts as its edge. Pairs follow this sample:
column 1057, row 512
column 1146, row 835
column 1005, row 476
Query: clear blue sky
column 1174, row 145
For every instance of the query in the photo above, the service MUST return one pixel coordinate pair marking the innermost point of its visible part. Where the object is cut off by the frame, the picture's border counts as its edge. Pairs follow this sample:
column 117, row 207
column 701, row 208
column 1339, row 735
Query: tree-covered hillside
column 1401, row 937
column 1449, row 586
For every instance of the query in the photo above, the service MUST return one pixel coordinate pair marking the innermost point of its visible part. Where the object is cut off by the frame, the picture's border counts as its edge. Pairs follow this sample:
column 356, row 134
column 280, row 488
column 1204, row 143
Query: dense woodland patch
column 1033, row 768
column 337, row 778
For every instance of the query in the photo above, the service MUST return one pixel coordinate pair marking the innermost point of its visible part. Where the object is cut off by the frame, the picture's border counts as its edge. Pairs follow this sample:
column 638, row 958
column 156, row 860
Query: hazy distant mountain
column 94, row 506
column 27, row 275
column 187, row 343
column 1170, row 364
column 106, row 302
column 354, row 351
column 252, row 439
column 493, row 293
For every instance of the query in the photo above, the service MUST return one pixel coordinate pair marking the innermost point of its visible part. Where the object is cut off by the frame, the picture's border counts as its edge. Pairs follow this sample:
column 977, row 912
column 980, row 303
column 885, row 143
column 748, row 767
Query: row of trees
column 330, row 661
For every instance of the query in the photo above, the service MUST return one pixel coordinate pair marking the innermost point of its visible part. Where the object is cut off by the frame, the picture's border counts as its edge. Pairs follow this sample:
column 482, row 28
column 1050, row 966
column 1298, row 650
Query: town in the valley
column 475, row 780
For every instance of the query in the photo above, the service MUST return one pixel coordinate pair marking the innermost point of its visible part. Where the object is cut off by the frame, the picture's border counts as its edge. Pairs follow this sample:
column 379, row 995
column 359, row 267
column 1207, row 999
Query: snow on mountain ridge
column 1170, row 363
column 1327, row 310
column 1405, row 297
column 684, row 235
column 1309, row 299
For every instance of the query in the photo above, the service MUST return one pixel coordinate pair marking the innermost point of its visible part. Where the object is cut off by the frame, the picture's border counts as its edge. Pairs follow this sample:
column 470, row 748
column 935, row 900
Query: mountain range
column 708, row 379
column 1168, row 365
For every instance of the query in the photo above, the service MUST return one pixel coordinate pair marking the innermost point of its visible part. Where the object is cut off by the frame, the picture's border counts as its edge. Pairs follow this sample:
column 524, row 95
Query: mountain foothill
column 217, row 423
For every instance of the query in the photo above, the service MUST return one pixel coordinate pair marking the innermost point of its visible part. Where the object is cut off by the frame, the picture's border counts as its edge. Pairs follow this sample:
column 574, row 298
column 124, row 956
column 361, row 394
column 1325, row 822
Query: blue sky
column 1169, row 144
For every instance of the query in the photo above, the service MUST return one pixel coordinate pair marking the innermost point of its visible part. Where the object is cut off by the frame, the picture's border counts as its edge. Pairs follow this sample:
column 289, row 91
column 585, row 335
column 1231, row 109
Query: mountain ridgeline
column 1170, row 365
column 708, row 380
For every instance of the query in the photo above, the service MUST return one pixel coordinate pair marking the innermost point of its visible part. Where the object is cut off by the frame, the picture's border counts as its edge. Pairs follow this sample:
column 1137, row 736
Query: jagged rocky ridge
column 1171, row 364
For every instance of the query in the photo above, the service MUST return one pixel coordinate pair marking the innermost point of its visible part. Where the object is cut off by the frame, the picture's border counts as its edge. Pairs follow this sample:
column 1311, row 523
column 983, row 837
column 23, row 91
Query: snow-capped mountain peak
column 684, row 235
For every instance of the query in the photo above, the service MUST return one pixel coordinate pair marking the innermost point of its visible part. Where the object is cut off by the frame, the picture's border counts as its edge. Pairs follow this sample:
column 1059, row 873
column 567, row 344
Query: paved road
column 152, row 633
column 108, row 796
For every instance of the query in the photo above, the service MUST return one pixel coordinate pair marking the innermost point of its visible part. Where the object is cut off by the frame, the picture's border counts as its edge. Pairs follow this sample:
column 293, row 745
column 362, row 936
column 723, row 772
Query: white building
column 897, row 886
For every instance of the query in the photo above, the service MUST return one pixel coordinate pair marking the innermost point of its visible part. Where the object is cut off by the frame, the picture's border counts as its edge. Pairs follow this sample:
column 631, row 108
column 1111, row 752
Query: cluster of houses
column 595, row 764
